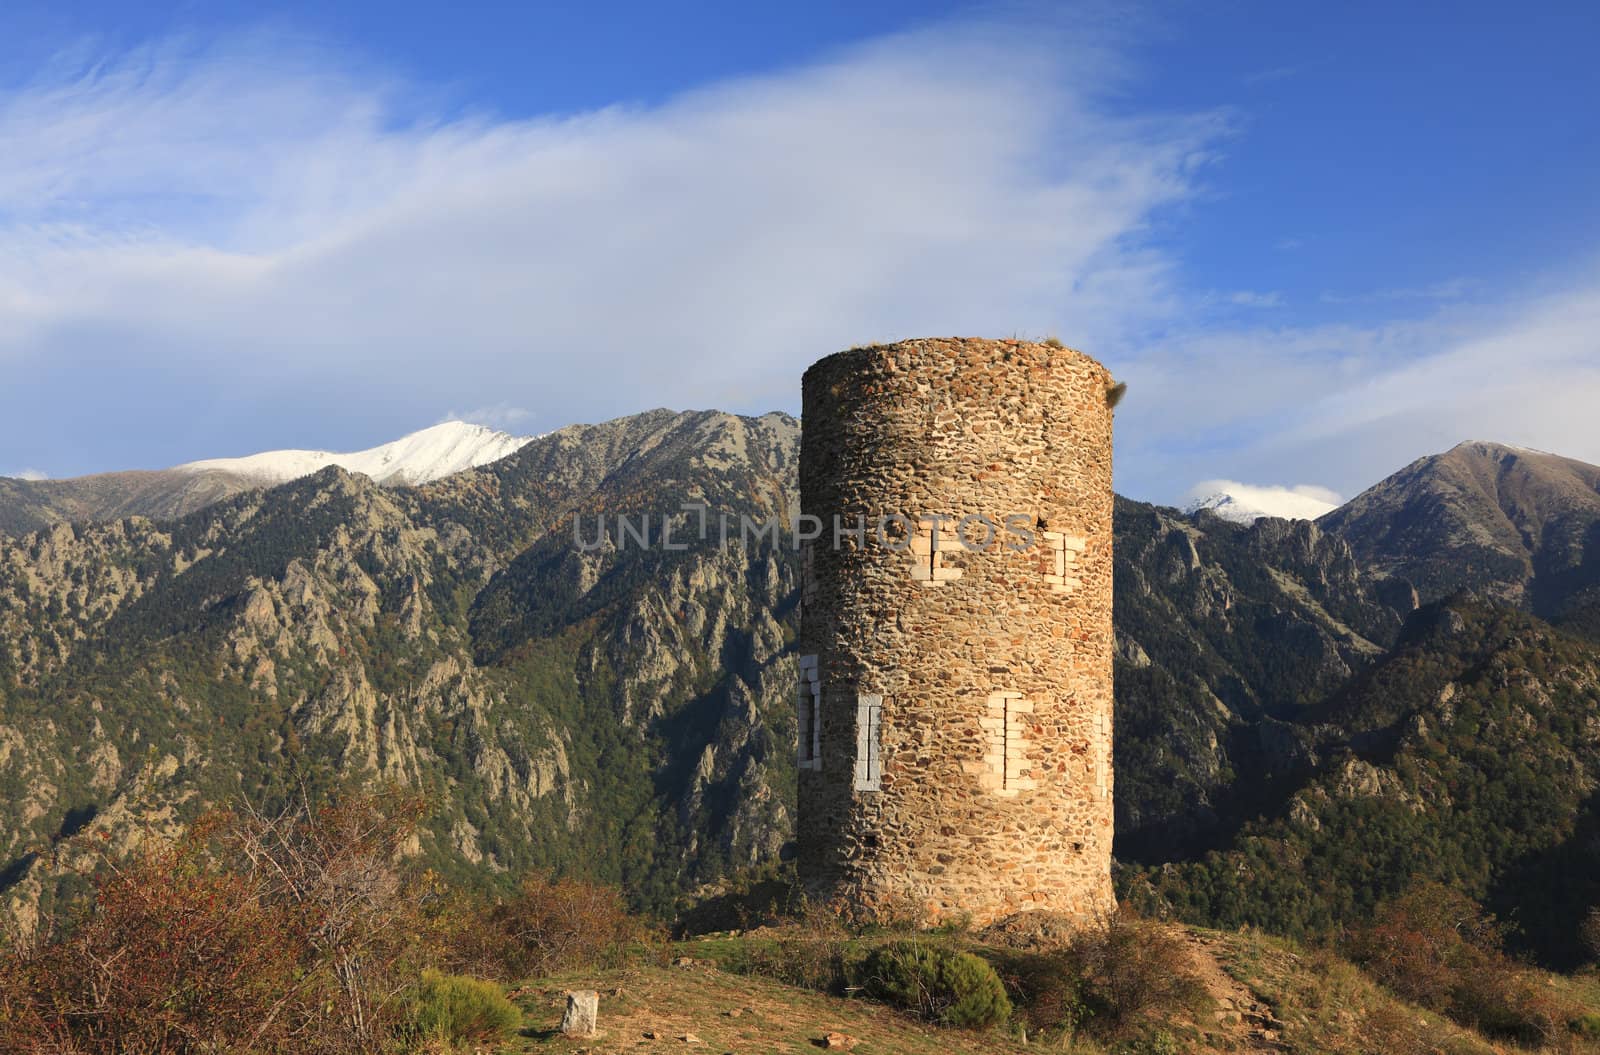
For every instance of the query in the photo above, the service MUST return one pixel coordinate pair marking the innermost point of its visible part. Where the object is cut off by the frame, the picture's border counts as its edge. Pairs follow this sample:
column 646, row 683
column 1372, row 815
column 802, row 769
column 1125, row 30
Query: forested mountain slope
column 1470, row 756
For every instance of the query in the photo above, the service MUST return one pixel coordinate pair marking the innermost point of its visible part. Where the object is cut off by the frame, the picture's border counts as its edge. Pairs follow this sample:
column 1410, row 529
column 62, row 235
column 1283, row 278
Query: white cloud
column 1447, row 289
column 500, row 416
column 1349, row 404
column 261, row 247
column 255, row 228
column 1530, row 376
column 28, row 474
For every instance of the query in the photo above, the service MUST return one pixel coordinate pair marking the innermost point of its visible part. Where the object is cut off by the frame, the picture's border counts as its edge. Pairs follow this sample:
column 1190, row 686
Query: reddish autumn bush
column 290, row 933
column 1437, row 947
column 548, row 925
column 1419, row 944
column 172, row 958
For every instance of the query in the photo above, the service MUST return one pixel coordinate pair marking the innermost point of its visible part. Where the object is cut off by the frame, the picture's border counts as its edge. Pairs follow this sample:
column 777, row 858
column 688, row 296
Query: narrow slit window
column 808, row 575
column 928, row 544
column 810, row 715
column 1061, row 561
column 1005, row 727
column 869, row 743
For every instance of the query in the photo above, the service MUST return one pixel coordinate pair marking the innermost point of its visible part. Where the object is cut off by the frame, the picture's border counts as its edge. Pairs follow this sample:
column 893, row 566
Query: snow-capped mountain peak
column 1247, row 503
column 419, row 458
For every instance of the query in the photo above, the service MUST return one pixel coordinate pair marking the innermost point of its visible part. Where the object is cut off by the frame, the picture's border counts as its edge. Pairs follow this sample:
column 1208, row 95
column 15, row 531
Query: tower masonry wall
column 956, row 697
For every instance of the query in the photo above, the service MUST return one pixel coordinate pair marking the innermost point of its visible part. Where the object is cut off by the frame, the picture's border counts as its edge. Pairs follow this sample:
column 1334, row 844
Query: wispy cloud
column 1447, row 289
column 28, row 474
column 215, row 246
column 1250, row 298
column 501, row 416
column 238, row 227
column 1348, row 403
column 1270, row 74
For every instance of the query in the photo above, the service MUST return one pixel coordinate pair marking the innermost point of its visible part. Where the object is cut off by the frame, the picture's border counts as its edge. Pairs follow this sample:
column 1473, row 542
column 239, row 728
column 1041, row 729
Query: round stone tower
column 955, row 635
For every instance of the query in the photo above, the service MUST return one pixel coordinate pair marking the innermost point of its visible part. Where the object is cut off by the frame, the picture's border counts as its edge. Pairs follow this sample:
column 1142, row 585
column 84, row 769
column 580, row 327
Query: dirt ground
column 653, row 1009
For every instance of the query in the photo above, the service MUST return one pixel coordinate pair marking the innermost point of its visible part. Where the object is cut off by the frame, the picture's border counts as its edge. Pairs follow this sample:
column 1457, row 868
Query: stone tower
column 955, row 671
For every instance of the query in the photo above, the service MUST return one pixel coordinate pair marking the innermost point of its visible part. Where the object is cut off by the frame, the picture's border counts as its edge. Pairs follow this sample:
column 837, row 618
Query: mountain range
column 421, row 457
column 1419, row 664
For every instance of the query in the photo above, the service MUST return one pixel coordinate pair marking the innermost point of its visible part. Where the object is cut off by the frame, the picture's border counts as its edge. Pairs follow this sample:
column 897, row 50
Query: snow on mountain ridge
column 419, row 458
column 1246, row 503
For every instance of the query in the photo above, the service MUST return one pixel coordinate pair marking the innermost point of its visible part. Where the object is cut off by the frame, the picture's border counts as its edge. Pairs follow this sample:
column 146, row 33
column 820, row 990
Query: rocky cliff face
column 622, row 708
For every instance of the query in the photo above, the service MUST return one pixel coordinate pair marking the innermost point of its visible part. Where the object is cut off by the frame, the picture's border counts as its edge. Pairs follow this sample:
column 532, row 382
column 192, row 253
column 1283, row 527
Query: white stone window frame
column 933, row 537
column 1102, row 766
column 809, row 714
column 1005, row 726
column 869, row 742
column 1062, row 553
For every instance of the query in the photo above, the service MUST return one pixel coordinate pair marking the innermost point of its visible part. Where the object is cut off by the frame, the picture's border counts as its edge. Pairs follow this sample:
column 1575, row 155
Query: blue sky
column 1317, row 241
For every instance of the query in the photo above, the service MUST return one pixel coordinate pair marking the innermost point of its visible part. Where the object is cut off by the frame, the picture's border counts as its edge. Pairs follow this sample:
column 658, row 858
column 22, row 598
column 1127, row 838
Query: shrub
column 1122, row 970
column 455, row 1009
column 172, row 958
column 941, row 984
column 1500, row 1001
column 1159, row 1042
column 767, row 895
column 1438, row 948
column 1586, row 1026
column 1590, row 932
column 549, row 925
column 1418, row 944
column 812, row 953
column 291, row 933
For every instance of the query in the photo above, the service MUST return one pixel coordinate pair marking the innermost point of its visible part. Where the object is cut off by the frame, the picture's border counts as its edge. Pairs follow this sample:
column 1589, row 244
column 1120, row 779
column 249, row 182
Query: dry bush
column 1106, row 981
column 812, row 952
column 1128, row 970
column 1436, row 947
column 336, row 870
column 291, row 933
column 1418, row 944
column 1589, row 931
column 174, row 957
column 548, row 926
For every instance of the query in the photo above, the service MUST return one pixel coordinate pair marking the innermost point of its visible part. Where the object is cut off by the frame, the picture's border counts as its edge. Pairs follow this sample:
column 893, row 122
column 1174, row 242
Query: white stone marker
column 583, row 1009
